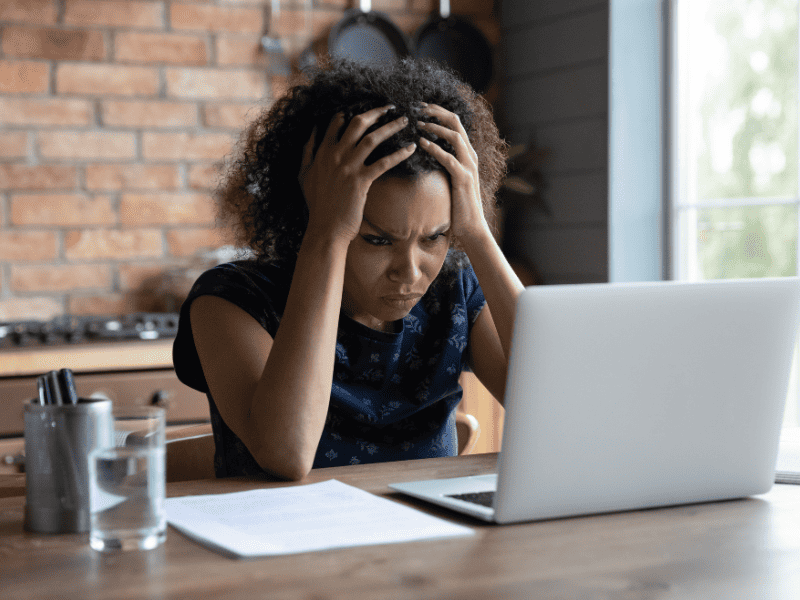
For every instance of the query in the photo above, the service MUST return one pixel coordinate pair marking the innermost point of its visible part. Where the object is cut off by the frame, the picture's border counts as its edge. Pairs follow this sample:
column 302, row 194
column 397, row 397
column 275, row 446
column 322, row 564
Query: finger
column 451, row 119
column 334, row 127
column 379, row 167
column 464, row 150
column 447, row 160
column 448, row 118
column 360, row 123
column 371, row 141
column 460, row 178
column 444, row 115
column 308, row 152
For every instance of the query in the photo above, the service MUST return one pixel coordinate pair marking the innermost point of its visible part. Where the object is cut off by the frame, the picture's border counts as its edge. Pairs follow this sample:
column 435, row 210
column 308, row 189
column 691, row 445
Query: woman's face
column 399, row 250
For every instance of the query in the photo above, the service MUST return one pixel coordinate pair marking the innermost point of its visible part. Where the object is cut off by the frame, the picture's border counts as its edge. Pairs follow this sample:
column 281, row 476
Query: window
column 736, row 190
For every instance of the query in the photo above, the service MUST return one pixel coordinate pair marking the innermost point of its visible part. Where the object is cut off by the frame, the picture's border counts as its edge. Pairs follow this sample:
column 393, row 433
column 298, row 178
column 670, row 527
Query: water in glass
column 127, row 504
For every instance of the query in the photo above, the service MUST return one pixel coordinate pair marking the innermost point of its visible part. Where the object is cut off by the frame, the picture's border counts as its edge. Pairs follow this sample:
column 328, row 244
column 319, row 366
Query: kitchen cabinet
column 12, row 455
column 127, row 372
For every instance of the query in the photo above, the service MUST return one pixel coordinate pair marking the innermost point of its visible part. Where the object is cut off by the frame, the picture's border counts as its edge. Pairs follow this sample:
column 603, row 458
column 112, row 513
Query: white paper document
column 302, row 518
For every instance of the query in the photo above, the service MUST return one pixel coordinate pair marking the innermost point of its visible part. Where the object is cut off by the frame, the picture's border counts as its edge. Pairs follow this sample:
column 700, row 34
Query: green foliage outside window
column 747, row 146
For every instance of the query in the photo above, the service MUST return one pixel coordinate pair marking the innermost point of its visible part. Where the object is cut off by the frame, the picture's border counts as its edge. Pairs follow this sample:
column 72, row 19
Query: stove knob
column 21, row 336
column 74, row 336
column 48, row 334
column 73, row 332
column 162, row 398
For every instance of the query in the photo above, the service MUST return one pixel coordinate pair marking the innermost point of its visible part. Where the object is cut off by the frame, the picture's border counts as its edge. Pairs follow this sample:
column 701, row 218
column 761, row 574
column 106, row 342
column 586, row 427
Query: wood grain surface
column 745, row 549
column 116, row 356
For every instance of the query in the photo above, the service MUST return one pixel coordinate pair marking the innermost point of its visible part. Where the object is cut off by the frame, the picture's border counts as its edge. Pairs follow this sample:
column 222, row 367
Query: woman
column 343, row 339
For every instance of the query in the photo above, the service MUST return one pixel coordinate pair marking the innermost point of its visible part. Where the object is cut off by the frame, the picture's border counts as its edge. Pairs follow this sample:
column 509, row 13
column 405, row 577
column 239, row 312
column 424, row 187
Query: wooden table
column 737, row 549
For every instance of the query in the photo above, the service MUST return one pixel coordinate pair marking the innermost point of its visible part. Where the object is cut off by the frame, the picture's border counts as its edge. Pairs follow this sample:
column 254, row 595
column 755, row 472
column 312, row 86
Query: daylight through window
column 736, row 191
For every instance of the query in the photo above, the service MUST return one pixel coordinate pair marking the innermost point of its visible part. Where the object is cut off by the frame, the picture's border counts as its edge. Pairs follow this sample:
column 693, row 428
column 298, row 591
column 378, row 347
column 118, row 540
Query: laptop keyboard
column 482, row 498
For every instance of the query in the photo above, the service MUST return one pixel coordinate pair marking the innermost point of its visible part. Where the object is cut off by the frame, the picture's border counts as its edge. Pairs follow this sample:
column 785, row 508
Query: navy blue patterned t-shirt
column 393, row 395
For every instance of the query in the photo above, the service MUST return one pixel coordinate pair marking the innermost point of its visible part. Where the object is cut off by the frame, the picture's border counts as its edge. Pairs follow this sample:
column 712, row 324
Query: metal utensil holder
column 58, row 440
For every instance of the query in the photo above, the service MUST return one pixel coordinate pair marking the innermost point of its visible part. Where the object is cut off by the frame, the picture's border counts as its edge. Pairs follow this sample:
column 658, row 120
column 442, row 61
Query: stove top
column 70, row 329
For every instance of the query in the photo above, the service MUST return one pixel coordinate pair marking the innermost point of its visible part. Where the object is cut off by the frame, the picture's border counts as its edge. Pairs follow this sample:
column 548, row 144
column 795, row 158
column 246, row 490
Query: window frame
column 640, row 134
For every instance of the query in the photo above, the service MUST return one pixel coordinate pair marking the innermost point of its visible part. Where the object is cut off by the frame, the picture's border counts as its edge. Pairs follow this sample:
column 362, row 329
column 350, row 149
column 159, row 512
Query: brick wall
column 112, row 116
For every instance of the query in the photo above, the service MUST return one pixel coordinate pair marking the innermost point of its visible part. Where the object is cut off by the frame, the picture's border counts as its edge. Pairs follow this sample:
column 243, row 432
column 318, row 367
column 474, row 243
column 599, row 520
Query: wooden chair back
column 468, row 430
column 190, row 453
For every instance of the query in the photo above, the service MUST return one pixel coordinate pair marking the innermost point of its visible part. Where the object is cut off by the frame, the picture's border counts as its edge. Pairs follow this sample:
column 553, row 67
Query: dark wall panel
column 555, row 95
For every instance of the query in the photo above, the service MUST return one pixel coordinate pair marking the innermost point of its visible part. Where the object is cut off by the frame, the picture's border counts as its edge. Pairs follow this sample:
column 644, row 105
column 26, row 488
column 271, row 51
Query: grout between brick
column 32, row 150
column 60, row 10
column 97, row 114
column 115, row 200
column 166, row 11
column 109, row 38
column 211, row 50
column 138, row 146
column 183, row 177
column 162, row 83
column 5, row 212
column 81, row 178
column 51, row 83
column 201, row 122
column 60, row 250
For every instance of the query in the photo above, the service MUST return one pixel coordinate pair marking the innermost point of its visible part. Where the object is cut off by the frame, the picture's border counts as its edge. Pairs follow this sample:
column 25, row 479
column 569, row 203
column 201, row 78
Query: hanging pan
column 368, row 36
column 457, row 43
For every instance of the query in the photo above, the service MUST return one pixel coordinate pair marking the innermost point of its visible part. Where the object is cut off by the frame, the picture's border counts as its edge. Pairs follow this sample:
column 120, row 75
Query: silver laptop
column 628, row 396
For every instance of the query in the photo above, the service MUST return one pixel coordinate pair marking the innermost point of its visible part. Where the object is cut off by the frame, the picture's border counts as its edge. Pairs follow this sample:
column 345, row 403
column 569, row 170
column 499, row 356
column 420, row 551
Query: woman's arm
column 274, row 394
column 499, row 283
column 490, row 340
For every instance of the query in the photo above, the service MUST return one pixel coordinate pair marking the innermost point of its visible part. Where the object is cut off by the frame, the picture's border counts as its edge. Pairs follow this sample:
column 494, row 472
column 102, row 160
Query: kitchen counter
column 100, row 356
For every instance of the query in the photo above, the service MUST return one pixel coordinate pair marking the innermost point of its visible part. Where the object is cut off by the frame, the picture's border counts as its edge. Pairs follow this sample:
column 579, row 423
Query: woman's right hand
column 335, row 181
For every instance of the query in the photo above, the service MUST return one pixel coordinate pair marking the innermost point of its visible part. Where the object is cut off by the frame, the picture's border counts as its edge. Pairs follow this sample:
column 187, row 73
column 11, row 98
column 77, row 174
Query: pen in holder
column 58, row 440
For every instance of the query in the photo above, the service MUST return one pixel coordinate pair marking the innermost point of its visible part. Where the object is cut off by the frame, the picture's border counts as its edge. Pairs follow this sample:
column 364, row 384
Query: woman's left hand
column 467, row 218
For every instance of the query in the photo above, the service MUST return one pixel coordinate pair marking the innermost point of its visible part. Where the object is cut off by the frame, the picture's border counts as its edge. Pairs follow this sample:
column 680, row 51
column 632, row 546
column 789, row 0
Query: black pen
column 41, row 386
column 65, row 378
column 55, row 389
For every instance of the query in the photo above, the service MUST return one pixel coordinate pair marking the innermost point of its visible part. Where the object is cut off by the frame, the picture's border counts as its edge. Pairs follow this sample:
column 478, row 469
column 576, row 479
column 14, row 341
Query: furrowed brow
column 383, row 233
column 441, row 229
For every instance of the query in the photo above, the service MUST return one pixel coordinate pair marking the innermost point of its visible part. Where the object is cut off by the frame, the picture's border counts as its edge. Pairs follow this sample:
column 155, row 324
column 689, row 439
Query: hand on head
column 335, row 180
column 467, row 217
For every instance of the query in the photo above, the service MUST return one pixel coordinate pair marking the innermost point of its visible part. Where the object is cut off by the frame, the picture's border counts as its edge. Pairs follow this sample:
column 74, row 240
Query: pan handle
column 444, row 8
column 365, row 5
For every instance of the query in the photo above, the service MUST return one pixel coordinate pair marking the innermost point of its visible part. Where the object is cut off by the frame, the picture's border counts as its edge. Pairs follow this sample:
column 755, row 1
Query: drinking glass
column 128, row 483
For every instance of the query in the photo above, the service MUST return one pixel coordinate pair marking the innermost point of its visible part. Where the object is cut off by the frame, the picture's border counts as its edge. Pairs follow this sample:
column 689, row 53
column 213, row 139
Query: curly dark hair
column 259, row 196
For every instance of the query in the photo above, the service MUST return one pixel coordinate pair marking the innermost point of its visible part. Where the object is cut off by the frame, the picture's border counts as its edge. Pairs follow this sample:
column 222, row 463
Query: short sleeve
column 261, row 291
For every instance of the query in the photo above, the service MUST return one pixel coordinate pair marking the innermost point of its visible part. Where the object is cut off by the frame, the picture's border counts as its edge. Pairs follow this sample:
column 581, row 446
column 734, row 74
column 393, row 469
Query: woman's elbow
column 287, row 452
column 293, row 468
column 296, row 472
